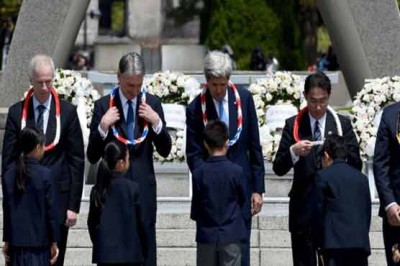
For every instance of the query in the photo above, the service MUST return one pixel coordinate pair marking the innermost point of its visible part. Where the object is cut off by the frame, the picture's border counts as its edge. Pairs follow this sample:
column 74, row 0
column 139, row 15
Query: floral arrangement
column 173, row 87
column 74, row 88
column 269, row 142
column 276, row 88
column 79, row 91
column 367, row 107
column 177, row 153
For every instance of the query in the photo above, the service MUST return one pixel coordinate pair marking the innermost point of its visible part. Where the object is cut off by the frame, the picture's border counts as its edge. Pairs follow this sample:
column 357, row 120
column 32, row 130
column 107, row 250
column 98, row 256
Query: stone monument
column 366, row 37
column 43, row 26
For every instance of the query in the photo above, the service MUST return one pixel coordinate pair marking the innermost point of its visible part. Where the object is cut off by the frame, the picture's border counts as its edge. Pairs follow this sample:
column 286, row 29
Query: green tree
column 291, row 48
column 243, row 24
column 9, row 8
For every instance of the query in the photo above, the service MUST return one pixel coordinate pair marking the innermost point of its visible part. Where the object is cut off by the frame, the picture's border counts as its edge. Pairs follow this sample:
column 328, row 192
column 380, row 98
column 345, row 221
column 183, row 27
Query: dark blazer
column 116, row 229
column 247, row 150
column 141, row 155
column 218, row 202
column 387, row 158
column 30, row 217
column 343, row 207
column 301, row 196
column 66, row 160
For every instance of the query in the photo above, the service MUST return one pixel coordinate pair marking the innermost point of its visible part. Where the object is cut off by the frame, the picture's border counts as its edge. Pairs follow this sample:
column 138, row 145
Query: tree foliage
column 243, row 24
column 9, row 8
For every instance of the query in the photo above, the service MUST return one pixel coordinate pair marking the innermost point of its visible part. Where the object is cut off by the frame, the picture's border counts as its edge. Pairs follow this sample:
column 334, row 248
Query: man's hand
column 393, row 215
column 256, row 203
column 148, row 114
column 5, row 252
column 302, row 148
column 53, row 253
column 109, row 118
column 71, row 218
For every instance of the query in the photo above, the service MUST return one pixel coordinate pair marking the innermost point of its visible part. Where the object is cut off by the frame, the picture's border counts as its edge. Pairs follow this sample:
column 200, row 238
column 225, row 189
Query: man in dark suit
column 296, row 150
column 129, row 113
column 343, row 208
column 220, row 102
column 387, row 176
column 64, row 153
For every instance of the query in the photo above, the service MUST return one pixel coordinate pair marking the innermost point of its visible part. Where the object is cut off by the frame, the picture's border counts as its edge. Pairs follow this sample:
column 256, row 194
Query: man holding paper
column 300, row 149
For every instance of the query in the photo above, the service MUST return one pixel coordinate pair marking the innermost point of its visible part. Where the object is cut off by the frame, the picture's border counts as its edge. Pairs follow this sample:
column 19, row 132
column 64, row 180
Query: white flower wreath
column 367, row 106
column 277, row 88
column 173, row 88
column 73, row 88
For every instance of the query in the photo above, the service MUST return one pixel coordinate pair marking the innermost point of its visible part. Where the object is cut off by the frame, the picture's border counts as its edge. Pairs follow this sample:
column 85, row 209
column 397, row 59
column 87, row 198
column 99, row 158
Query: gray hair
column 131, row 64
column 217, row 65
column 39, row 61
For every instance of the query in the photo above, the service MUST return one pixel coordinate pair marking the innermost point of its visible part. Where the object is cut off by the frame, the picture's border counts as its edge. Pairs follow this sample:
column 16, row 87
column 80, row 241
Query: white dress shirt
column 46, row 111
column 124, row 102
column 321, row 123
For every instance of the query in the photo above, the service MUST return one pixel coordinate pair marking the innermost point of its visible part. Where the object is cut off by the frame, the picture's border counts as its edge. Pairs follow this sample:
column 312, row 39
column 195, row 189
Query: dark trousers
column 391, row 236
column 303, row 250
column 246, row 245
column 62, row 245
column 151, row 259
column 217, row 254
column 345, row 257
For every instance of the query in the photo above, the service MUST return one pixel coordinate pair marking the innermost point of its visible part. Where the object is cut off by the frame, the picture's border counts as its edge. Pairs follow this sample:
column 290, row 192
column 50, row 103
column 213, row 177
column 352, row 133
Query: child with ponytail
column 115, row 221
column 30, row 232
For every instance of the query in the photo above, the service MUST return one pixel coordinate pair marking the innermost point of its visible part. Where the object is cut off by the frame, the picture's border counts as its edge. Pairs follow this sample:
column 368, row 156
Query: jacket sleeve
column 162, row 141
column 283, row 159
column 10, row 140
column 51, row 211
column 255, row 152
column 96, row 143
column 93, row 221
column 76, row 160
column 382, row 162
column 194, row 139
column 353, row 150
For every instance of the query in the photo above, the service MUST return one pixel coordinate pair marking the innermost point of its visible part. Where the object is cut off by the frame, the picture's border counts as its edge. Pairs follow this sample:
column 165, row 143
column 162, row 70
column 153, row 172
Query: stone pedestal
column 144, row 19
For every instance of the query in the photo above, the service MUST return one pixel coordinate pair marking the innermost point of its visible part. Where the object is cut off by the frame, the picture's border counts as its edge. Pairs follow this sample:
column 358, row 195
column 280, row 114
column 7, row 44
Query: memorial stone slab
column 48, row 27
column 365, row 35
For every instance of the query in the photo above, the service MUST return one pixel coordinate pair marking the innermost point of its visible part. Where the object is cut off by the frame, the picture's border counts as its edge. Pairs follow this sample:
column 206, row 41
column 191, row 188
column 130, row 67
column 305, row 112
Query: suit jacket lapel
column 233, row 115
column 330, row 125
column 210, row 107
column 138, row 122
column 30, row 120
column 121, row 124
column 305, row 128
column 51, row 123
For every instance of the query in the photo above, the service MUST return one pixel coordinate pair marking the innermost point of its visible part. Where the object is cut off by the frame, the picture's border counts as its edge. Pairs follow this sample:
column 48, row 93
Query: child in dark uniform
column 115, row 222
column 30, row 220
column 217, row 204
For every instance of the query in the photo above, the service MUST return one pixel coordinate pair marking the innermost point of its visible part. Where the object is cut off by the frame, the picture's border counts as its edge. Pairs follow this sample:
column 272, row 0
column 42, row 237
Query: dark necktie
column 222, row 113
column 318, row 148
column 317, row 131
column 130, row 120
column 39, row 122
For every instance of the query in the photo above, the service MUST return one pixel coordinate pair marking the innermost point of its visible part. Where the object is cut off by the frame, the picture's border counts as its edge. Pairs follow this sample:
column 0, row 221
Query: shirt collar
column 321, row 121
column 46, row 104
column 123, row 99
column 217, row 158
column 225, row 100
